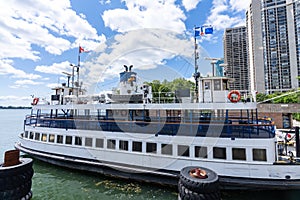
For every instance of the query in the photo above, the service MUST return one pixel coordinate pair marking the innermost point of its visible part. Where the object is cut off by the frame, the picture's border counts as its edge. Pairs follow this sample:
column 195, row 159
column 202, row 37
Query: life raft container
column 234, row 96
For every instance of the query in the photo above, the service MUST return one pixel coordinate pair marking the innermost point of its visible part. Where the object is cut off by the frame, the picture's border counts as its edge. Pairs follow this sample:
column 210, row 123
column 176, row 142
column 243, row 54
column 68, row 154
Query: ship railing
column 195, row 118
column 161, row 125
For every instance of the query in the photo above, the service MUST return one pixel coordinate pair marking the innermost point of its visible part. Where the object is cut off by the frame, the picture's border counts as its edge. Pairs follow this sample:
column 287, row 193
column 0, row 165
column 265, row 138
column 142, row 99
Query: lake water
column 56, row 183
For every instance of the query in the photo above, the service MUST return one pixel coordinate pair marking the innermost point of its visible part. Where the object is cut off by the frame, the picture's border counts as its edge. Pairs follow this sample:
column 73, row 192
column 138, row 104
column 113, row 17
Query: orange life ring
column 35, row 101
column 234, row 96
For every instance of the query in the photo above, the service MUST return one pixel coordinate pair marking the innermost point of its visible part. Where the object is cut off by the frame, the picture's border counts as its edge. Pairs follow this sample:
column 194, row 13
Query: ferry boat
column 134, row 135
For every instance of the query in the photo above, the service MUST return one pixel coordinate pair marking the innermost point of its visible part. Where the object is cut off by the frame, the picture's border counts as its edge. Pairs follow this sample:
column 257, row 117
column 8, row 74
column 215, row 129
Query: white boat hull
column 164, row 169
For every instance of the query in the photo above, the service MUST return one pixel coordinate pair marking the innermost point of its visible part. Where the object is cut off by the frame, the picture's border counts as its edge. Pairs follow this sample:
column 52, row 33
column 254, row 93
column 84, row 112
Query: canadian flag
column 82, row 50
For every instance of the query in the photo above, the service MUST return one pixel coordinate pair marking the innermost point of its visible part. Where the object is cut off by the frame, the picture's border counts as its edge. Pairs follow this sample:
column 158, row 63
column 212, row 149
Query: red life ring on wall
column 35, row 101
column 234, row 96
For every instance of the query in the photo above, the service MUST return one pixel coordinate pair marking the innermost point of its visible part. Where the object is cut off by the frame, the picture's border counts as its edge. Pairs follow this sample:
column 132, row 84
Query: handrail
column 200, row 122
column 159, row 127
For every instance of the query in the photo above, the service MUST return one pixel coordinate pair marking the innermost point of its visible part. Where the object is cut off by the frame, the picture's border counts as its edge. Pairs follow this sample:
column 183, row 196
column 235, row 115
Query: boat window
column 81, row 113
column 111, row 144
column 207, row 85
column 123, row 145
column 109, row 113
column 59, row 139
column 183, row 150
column 200, row 152
column 167, row 149
column 225, row 85
column 219, row 152
column 217, row 85
column 44, row 137
column 124, row 113
column 259, row 154
column 72, row 113
column 88, row 142
column 51, row 138
column 68, row 139
column 31, row 135
column 37, row 136
column 151, row 147
column 78, row 140
column 26, row 134
column 137, row 146
column 238, row 154
column 87, row 112
column 99, row 143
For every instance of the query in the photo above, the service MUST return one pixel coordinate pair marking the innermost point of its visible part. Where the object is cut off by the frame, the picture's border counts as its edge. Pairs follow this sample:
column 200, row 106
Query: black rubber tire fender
column 207, row 185
column 186, row 194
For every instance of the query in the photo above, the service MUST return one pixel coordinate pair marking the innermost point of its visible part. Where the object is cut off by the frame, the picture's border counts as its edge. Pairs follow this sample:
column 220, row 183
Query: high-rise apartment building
column 274, row 44
column 236, row 58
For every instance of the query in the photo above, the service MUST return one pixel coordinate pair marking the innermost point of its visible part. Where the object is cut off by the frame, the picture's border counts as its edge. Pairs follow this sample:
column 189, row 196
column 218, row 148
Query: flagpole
column 78, row 65
column 196, row 74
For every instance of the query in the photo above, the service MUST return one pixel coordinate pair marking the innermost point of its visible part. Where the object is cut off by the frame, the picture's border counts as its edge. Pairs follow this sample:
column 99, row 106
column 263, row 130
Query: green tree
column 164, row 91
column 179, row 84
column 291, row 98
column 159, row 91
column 261, row 97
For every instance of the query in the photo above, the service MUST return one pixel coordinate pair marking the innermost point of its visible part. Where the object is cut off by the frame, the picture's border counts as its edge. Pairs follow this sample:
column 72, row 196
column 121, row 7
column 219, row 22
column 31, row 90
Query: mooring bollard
column 16, row 176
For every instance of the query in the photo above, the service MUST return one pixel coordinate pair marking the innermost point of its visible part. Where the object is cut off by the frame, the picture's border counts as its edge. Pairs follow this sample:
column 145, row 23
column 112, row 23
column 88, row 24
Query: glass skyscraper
column 274, row 44
column 236, row 58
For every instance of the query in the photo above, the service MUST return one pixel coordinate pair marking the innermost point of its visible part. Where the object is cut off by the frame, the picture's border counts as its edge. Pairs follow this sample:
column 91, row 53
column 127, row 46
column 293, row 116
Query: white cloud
column 27, row 82
column 11, row 97
column 48, row 24
column 12, row 100
column 145, row 14
column 24, row 84
column 144, row 49
column 55, row 68
column 53, row 85
column 102, row 2
column 62, row 69
column 190, row 4
column 6, row 68
column 222, row 14
column 239, row 5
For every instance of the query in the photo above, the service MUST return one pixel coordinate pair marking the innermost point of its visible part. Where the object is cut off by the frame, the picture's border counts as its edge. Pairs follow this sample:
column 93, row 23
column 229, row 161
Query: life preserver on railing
column 35, row 101
column 234, row 96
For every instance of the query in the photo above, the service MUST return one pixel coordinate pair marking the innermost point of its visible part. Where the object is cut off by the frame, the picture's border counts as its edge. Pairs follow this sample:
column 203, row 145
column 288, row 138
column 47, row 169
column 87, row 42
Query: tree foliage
column 291, row 98
column 165, row 90
column 296, row 116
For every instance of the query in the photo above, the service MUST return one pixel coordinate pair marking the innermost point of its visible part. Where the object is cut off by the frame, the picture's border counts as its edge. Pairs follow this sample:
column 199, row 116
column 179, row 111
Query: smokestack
column 126, row 68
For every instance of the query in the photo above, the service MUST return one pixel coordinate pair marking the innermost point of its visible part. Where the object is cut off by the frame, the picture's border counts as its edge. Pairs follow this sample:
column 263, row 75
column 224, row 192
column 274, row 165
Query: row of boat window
column 137, row 146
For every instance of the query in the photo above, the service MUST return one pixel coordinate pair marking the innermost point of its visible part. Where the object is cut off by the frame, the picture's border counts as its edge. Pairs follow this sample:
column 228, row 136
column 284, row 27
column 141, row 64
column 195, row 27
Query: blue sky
column 39, row 40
